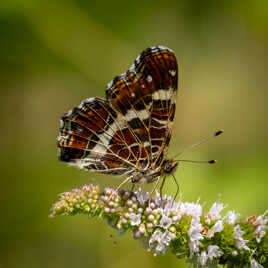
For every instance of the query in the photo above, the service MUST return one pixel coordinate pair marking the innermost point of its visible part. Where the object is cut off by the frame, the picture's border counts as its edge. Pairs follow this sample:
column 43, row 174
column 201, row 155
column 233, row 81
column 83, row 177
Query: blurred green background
column 54, row 54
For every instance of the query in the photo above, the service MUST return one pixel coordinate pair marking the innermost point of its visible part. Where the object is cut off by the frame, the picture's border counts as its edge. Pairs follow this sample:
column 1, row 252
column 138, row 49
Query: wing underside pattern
column 132, row 128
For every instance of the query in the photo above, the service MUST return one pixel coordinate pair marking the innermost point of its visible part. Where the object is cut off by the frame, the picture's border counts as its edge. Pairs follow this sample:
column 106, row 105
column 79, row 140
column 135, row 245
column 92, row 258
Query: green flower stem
column 206, row 239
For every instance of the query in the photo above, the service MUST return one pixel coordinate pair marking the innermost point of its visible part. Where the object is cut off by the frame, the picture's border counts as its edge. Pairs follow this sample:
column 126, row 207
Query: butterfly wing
column 145, row 96
column 131, row 130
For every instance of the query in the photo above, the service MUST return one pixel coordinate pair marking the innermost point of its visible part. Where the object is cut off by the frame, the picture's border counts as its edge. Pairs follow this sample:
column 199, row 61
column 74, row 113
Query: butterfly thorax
column 151, row 174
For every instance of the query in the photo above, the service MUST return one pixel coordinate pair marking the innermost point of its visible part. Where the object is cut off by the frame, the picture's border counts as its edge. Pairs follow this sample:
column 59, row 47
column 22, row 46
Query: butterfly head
column 169, row 166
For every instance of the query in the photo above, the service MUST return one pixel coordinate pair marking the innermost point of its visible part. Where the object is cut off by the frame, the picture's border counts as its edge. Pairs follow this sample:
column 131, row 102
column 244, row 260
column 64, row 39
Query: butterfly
column 127, row 133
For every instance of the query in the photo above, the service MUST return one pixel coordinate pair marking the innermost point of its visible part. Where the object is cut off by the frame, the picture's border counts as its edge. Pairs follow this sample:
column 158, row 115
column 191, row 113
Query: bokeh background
column 53, row 54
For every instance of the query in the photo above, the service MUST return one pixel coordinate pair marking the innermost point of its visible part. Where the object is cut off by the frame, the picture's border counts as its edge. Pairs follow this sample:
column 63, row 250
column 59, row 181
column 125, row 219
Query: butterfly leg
column 119, row 186
column 162, row 186
column 178, row 187
column 133, row 187
column 153, row 190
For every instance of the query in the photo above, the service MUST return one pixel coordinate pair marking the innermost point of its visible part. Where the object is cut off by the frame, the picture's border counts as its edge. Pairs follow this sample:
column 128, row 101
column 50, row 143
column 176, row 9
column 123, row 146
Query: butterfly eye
column 168, row 167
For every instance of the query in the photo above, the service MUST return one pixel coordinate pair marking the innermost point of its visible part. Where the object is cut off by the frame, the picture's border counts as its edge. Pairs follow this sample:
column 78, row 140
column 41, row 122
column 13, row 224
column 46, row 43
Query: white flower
column 262, row 219
column 194, row 246
column 135, row 219
column 167, row 237
column 142, row 197
column 255, row 264
column 213, row 252
column 156, row 236
column 160, row 241
column 175, row 206
column 231, row 217
column 214, row 212
column 216, row 228
column 195, row 235
column 160, row 201
column 240, row 242
column 261, row 227
column 203, row 258
column 160, row 248
column 168, row 207
column 165, row 221
column 260, row 233
column 238, row 232
column 190, row 209
column 195, row 230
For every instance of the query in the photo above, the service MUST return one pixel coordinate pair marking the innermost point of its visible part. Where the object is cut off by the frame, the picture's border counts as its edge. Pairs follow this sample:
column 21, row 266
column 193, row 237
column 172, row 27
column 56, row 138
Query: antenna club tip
column 213, row 161
column 219, row 132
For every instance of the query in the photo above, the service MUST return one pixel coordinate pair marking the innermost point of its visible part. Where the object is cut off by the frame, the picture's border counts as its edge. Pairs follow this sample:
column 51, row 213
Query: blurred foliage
column 54, row 54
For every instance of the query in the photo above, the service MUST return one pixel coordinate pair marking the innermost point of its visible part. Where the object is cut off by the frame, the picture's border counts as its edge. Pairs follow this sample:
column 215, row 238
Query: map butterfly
column 129, row 132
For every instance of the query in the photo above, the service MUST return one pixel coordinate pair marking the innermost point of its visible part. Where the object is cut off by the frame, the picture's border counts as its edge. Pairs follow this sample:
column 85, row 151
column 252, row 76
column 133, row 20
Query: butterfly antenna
column 217, row 133
column 198, row 161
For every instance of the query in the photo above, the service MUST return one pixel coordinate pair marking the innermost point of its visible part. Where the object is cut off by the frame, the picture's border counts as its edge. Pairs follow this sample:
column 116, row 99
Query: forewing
column 145, row 97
